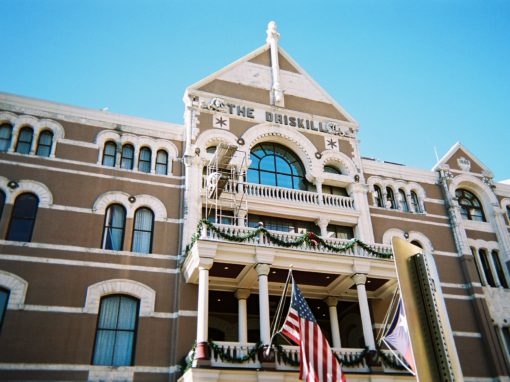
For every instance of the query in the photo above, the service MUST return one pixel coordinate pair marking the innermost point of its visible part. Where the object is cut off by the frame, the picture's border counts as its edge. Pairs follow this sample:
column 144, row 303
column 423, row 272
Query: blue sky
column 415, row 74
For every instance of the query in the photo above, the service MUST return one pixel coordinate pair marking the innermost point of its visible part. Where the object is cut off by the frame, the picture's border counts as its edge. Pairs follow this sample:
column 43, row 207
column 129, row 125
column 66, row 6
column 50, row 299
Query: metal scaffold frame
column 225, row 199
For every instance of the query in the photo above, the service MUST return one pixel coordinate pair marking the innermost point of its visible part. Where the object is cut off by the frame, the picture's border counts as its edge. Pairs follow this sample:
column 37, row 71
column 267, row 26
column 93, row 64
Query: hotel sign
column 286, row 119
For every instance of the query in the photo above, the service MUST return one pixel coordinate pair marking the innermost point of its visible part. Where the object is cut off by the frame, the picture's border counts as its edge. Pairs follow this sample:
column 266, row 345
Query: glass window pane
column 162, row 162
column 268, row 178
column 253, row 176
column 2, row 202
column 5, row 137
column 283, row 166
column 144, row 160
column 123, row 351
column 4, row 299
column 127, row 314
column 44, row 144
column 109, row 313
column 142, row 231
column 109, row 154
column 127, row 157
column 267, row 164
column 24, row 140
column 103, row 352
column 23, row 218
column 113, row 234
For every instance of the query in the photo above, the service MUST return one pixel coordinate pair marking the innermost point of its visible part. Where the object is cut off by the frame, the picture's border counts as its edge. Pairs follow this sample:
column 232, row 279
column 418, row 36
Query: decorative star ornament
column 221, row 122
column 331, row 143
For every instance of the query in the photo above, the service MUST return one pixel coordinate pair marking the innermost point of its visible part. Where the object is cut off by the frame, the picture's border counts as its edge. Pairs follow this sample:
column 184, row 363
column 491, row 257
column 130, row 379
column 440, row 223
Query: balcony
column 233, row 355
column 292, row 241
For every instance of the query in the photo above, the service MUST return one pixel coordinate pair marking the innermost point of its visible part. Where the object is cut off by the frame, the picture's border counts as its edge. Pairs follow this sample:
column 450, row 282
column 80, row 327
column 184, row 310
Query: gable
column 460, row 159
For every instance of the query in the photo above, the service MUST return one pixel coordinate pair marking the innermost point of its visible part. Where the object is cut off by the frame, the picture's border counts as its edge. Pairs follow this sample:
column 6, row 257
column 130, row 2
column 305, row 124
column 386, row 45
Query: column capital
column 331, row 301
column 359, row 278
column 262, row 269
column 205, row 263
column 322, row 221
column 242, row 294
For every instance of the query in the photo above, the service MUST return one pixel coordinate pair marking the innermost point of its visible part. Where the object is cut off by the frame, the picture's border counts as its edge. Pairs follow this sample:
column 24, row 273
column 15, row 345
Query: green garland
column 351, row 360
column 389, row 361
column 185, row 365
column 230, row 355
column 283, row 356
column 311, row 239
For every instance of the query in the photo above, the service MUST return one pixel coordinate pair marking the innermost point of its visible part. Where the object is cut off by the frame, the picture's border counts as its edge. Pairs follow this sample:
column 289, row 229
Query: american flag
column 318, row 363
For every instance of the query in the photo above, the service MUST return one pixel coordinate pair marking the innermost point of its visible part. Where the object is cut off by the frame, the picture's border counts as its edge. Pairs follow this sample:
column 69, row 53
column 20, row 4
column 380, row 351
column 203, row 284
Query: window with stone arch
column 44, row 143
column 390, row 199
column 143, row 230
column 24, row 143
column 403, row 200
column 470, row 206
column 378, row 196
column 114, row 226
column 109, row 154
column 273, row 164
column 23, row 216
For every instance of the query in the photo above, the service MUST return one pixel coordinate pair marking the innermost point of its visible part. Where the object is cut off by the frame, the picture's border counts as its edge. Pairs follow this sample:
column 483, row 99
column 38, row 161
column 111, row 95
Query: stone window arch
column 470, row 206
column 17, row 289
column 144, row 293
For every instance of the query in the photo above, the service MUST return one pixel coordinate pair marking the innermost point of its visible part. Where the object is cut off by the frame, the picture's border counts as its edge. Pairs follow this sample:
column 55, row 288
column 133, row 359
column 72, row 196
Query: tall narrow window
column 5, row 136
column 403, row 200
column 2, row 202
column 24, row 144
column 127, row 157
column 114, row 223
column 470, row 206
column 486, row 267
column 116, row 331
column 143, row 230
column 144, row 160
column 415, row 202
column 23, row 217
column 4, row 299
column 499, row 269
column 390, row 199
column 44, row 143
column 162, row 162
column 378, row 197
column 109, row 154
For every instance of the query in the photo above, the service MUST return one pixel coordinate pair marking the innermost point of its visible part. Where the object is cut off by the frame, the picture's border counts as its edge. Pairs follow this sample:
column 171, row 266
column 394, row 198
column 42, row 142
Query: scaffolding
column 225, row 200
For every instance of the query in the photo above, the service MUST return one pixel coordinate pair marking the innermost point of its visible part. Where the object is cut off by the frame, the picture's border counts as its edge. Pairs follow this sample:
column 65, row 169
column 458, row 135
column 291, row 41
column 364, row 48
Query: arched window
column 403, row 200
column 5, row 136
column 332, row 170
column 24, row 144
column 470, row 206
column 390, row 199
column 23, row 217
column 116, row 331
column 110, row 154
column 482, row 253
column 378, row 197
column 162, row 162
column 211, row 149
column 44, row 143
column 275, row 165
column 144, row 160
column 499, row 269
column 143, row 231
column 2, row 202
column 415, row 202
column 4, row 299
column 126, row 160
column 114, row 224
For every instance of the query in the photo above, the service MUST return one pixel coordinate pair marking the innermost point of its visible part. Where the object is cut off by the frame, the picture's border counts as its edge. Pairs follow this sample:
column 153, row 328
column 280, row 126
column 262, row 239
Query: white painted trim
column 409, row 220
column 91, row 174
column 78, row 367
column 75, row 248
column 446, row 254
column 463, row 297
column 90, row 264
column 383, row 169
column 459, row 146
column 461, row 286
column 154, row 204
column 25, row 185
column 17, row 288
column 73, row 142
column 467, row 334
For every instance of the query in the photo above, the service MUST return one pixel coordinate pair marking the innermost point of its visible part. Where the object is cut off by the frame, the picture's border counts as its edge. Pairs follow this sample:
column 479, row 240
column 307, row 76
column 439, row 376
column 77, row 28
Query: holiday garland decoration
column 311, row 239
column 284, row 356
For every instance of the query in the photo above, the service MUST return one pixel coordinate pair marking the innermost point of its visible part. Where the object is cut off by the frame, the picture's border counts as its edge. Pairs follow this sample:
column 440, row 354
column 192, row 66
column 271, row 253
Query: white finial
column 272, row 33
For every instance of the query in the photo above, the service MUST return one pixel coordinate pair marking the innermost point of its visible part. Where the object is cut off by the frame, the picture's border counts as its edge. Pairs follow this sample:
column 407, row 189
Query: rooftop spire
column 272, row 39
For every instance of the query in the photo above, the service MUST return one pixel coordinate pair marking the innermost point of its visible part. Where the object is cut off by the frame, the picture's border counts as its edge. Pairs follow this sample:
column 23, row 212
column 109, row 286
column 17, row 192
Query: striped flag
column 398, row 336
column 318, row 363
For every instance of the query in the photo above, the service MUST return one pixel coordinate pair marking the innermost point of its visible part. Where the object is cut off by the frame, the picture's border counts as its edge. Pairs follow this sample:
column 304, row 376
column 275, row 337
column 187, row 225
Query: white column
column 242, row 295
column 360, row 280
column 363, row 230
column 333, row 318
column 323, row 225
column 318, row 186
column 263, row 271
column 203, row 300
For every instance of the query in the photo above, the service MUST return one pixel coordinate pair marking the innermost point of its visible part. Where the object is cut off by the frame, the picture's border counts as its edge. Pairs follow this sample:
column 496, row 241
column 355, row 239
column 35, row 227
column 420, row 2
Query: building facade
column 139, row 250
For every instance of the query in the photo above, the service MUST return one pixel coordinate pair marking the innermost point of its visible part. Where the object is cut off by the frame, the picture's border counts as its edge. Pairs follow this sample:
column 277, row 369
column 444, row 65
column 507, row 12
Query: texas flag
column 398, row 336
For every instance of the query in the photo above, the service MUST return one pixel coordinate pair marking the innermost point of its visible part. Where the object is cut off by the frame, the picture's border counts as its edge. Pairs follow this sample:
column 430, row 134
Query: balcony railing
column 286, row 358
column 288, row 195
column 223, row 232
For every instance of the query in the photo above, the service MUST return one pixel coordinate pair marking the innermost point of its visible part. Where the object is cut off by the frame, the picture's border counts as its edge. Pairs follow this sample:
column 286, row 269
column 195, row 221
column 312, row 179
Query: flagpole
column 279, row 309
